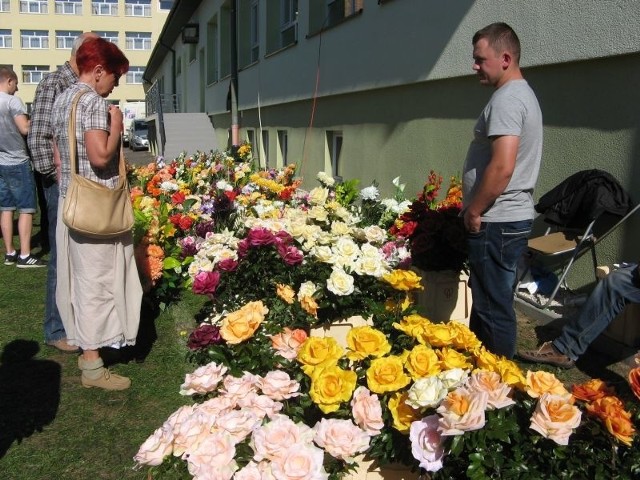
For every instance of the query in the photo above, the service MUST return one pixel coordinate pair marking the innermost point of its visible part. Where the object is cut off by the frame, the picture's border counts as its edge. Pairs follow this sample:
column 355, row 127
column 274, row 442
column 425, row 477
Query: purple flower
column 243, row 247
column 203, row 336
column 205, row 283
column 203, row 228
column 189, row 246
column 290, row 255
column 426, row 443
column 283, row 237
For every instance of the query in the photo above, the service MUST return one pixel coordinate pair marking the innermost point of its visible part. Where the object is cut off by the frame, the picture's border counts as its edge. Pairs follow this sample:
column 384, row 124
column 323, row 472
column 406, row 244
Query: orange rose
column 538, row 383
column 634, row 381
column 288, row 342
column 592, row 390
column 616, row 419
column 285, row 292
column 240, row 325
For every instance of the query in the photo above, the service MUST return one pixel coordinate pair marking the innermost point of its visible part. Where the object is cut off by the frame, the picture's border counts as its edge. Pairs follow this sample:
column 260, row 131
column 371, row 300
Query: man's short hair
column 7, row 73
column 80, row 39
column 500, row 37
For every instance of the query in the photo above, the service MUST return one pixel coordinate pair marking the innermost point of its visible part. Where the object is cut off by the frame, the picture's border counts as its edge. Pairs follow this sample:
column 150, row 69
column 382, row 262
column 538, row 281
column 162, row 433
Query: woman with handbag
column 99, row 292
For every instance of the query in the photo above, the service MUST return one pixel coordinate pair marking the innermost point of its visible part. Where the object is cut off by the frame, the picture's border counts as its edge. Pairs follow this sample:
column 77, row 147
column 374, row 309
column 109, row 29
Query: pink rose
column 238, row 423
column 227, row 265
column 288, row 342
column 261, row 405
column 462, row 411
column 341, row 438
column 238, row 388
column 250, row 471
column 205, row 283
column 260, row 236
column 213, row 458
column 279, row 386
column 290, row 255
column 189, row 433
column 203, row 380
column 426, row 443
column 300, row 461
column 155, row 448
column 243, row 247
column 367, row 411
column 217, row 406
column 273, row 440
column 283, row 237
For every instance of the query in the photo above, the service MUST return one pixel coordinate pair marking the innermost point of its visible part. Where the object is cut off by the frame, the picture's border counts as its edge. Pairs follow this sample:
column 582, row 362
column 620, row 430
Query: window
column 104, row 7
column 138, row 40
column 5, row 6
column 65, row 38
column 265, row 148
column 166, row 4
column 108, row 35
column 34, row 38
column 134, row 75
column 34, row 6
column 212, row 51
column 254, row 31
column 5, row 38
column 334, row 147
column 251, row 140
column 338, row 10
column 34, row 73
column 283, row 148
column 288, row 22
column 69, row 7
column 137, row 8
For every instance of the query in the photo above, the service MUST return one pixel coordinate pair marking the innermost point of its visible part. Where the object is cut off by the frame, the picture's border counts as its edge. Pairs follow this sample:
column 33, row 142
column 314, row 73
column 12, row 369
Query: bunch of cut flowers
column 434, row 228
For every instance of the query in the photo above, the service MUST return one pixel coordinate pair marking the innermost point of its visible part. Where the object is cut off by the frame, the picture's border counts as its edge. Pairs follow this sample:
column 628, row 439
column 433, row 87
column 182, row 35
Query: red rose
column 205, row 283
column 185, row 222
column 260, row 236
column 177, row 198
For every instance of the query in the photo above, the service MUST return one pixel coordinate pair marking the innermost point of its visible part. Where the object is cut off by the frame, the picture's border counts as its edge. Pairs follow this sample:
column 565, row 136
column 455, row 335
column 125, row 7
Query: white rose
column 307, row 289
column 322, row 253
column 318, row 196
column 453, row 378
column 370, row 266
column 340, row 282
column 345, row 247
column 375, row 234
column 340, row 228
column 426, row 392
column 319, row 214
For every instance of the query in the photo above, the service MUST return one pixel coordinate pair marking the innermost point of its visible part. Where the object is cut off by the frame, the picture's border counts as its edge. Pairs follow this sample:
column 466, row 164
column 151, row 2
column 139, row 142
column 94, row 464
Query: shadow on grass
column 147, row 336
column 29, row 392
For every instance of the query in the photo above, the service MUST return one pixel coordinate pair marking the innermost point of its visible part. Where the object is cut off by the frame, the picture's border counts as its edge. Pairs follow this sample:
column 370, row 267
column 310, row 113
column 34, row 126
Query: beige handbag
column 90, row 208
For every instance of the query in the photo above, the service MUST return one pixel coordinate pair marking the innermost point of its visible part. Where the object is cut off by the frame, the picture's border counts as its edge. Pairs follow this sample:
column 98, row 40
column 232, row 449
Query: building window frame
column 109, row 35
column 6, row 38
column 134, row 75
column 5, row 6
column 288, row 22
column 33, row 74
column 65, row 38
column 34, row 39
column 40, row 7
column 104, row 7
column 68, row 7
column 335, row 139
column 264, row 148
column 137, row 40
column 254, row 30
column 137, row 8
column 165, row 5
column 283, row 148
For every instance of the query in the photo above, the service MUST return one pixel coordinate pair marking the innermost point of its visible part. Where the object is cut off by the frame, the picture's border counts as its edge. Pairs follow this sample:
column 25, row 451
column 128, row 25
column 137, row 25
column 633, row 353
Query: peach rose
column 300, row 461
column 237, row 388
column 497, row 391
column 555, row 418
column 367, row 411
column 273, row 440
column 340, row 438
column 240, row 325
column 539, row 383
column 155, row 448
column 287, row 343
column 203, row 380
column 462, row 411
column 191, row 431
column 238, row 423
column 261, row 405
column 279, row 386
column 592, row 390
column 309, row 305
column 285, row 292
column 213, row 458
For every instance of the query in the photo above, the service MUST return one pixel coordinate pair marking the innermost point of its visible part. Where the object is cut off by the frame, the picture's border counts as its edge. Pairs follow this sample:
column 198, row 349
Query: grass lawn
column 51, row 428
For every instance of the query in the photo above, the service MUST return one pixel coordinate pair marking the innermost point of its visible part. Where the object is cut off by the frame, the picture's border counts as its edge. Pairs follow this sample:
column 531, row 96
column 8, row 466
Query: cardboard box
column 446, row 296
column 625, row 328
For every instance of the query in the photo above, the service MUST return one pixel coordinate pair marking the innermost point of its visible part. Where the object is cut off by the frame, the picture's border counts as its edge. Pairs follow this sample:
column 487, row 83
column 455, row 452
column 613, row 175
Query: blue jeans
column 17, row 188
column 53, row 328
column 606, row 301
column 493, row 257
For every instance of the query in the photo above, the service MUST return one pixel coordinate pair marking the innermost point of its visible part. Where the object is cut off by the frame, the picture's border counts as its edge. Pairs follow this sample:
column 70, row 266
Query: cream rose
column 340, row 282
column 426, row 392
column 375, row 234
column 318, row 196
column 307, row 289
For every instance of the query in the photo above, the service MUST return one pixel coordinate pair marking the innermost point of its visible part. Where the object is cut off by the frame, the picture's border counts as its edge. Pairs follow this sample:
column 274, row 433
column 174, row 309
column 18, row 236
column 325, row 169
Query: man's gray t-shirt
column 512, row 110
column 13, row 146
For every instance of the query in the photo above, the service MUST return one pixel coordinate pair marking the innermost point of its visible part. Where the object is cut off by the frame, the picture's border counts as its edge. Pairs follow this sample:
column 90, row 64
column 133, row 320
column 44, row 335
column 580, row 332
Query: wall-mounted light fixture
column 190, row 33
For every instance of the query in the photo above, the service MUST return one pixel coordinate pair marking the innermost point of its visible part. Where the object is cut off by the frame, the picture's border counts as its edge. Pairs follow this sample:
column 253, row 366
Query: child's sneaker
column 11, row 258
column 30, row 262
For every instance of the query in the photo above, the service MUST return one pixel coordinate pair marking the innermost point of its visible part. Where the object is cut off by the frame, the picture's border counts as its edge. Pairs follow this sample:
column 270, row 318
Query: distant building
column 36, row 37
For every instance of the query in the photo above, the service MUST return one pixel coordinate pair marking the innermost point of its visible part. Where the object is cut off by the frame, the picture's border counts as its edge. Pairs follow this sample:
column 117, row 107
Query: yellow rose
column 421, row 362
column 309, row 305
column 539, row 383
column 438, row 335
column 413, row 325
column 240, row 325
column 511, row 374
column 285, row 292
column 387, row 375
column 403, row 280
column 402, row 413
column 319, row 352
column 391, row 305
column 464, row 338
column 330, row 386
column 366, row 341
column 450, row 358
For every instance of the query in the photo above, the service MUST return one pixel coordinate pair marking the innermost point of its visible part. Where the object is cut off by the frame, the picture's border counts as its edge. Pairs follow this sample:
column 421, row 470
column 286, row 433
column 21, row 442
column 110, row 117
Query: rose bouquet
column 434, row 228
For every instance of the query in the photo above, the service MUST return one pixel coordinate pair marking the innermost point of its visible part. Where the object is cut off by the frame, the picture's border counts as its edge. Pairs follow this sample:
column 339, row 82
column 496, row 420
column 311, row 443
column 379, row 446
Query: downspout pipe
column 233, row 86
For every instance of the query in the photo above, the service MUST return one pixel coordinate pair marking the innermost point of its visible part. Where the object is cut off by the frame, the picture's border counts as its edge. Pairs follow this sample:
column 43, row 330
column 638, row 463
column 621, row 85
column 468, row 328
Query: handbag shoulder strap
column 73, row 146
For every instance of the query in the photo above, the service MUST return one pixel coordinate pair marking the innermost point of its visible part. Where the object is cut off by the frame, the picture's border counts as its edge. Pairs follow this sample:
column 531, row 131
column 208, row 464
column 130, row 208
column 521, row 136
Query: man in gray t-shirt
column 498, row 179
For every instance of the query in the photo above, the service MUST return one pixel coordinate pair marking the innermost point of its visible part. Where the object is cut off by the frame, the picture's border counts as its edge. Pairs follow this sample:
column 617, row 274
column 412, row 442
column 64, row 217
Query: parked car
column 138, row 139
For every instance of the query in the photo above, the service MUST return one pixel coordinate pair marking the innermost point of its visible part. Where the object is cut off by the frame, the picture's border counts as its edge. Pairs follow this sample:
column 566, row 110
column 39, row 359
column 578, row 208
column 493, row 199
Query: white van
column 138, row 139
